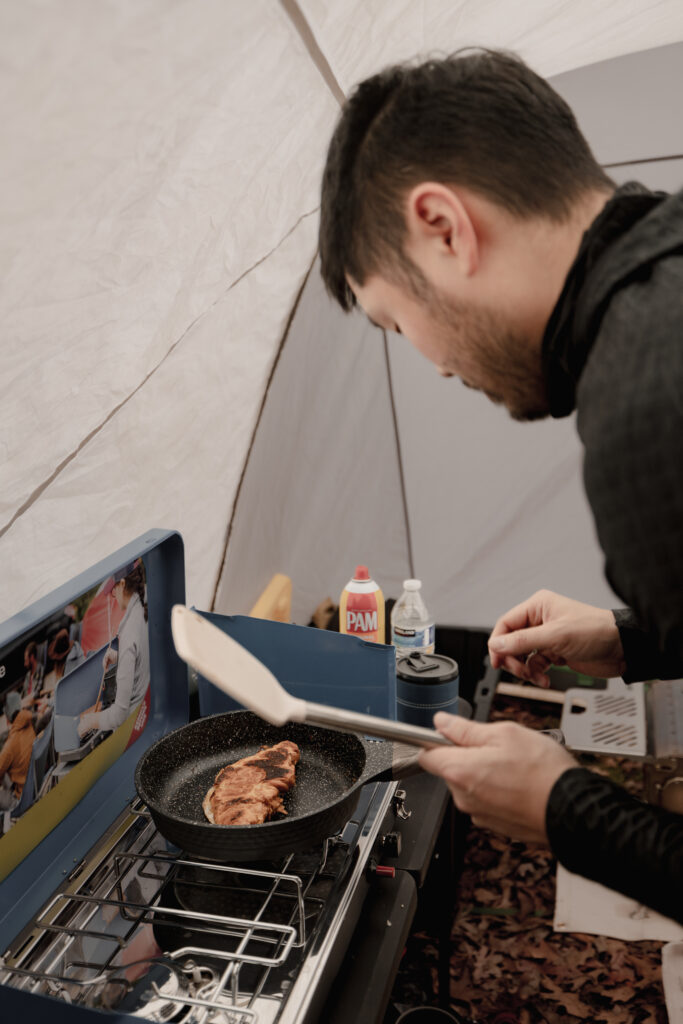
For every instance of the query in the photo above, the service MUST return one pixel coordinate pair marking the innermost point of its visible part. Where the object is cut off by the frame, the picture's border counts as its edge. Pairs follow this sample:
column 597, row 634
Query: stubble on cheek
column 490, row 357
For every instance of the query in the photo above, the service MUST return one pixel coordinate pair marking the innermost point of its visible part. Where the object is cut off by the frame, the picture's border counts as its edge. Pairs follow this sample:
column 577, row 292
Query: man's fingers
column 456, row 765
column 532, row 669
column 522, row 642
column 526, row 613
column 454, row 762
column 462, row 731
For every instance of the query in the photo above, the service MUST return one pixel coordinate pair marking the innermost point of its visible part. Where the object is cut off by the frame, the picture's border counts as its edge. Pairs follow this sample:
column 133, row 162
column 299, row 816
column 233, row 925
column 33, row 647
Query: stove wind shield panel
column 98, row 913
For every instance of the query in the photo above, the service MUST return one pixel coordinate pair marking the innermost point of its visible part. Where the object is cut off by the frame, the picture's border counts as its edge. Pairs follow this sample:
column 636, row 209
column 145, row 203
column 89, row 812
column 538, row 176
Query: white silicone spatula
column 235, row 671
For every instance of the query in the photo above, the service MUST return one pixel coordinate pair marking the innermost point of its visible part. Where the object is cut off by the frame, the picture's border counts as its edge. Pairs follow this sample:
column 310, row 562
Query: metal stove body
column 105, row 916
column 140, row 930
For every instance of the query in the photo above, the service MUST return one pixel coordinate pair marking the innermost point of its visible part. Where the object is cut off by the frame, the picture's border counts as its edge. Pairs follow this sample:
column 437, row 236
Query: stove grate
column 83, row 942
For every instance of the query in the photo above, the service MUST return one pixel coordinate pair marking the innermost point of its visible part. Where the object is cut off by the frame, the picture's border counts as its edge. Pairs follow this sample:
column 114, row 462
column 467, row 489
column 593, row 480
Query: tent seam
column 42, row 487
column 399, row 457
column 231, row 523
column 307, row 36
column 644, row 160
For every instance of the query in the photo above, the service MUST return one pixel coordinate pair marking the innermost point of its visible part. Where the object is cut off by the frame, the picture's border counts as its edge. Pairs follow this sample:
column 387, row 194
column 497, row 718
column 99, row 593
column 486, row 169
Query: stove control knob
column 399, row 805
column 391, row 844
column 380, row 870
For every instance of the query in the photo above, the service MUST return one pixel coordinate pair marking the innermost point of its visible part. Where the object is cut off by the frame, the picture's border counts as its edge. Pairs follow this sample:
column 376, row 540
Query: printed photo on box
column 74, row 693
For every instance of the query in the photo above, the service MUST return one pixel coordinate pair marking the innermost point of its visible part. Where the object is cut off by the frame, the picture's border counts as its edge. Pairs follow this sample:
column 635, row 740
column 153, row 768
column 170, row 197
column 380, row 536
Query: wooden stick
column 530, row 692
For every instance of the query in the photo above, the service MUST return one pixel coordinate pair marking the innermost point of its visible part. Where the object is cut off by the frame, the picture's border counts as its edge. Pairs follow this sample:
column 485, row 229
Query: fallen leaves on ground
column 507, row 965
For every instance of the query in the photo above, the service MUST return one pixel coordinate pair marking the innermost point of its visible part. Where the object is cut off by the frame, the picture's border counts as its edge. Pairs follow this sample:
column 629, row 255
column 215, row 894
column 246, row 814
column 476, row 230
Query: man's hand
column 549, row 629
column 499, row 773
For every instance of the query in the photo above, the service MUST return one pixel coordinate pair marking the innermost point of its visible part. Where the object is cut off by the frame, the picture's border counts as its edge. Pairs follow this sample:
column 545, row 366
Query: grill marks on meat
column 250, row 791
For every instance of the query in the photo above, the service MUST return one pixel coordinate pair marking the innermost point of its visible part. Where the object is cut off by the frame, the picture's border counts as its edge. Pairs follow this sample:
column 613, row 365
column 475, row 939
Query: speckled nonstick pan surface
column 173, row 776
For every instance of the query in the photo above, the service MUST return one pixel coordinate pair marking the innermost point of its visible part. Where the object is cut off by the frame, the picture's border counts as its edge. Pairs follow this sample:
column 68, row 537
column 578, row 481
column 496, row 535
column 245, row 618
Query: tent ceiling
column 158, row 156
column 360, row 36
column 158, row 212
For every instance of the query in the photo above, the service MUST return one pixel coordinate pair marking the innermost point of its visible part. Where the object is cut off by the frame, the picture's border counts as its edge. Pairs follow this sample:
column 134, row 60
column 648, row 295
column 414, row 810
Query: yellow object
column 51, row 809
column 275, row 602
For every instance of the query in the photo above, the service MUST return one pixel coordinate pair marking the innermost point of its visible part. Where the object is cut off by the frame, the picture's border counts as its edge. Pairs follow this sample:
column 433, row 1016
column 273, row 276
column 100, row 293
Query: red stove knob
column 385, row 871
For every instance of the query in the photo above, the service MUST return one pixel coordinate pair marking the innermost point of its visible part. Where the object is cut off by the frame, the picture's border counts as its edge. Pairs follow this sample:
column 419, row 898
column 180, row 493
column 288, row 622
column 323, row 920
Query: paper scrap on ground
column 672, row 978
column 585, row 906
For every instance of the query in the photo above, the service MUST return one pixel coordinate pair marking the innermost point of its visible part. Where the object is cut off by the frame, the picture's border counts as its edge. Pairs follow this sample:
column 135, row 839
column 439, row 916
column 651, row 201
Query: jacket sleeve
column 7, row 754
column 643, row 658
column 113, row 716
column 599, row 831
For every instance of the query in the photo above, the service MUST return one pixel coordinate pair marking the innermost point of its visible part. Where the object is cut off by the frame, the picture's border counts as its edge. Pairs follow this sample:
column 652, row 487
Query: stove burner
column 158, row 995
column 158, row 1007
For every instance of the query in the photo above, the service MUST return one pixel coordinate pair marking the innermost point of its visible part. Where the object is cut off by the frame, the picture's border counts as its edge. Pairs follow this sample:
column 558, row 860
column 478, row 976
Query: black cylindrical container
column 425, row 684
column 428, row 1015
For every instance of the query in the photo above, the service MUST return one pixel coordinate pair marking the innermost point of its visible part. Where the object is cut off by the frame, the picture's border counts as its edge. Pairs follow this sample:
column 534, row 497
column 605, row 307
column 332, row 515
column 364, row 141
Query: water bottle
column 412, row 628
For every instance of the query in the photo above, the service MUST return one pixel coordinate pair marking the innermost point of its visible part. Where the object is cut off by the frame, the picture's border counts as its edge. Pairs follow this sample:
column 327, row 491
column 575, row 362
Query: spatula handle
column 370, row 725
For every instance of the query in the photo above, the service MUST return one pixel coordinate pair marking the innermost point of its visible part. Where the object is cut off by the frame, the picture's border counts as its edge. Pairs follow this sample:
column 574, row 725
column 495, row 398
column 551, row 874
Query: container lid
column 362, row 573
column 426, row 668
column 412, row 584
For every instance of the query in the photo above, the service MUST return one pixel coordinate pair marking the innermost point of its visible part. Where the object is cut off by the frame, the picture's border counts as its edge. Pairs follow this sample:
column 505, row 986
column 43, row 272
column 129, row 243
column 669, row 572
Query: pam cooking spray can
column 361, row 607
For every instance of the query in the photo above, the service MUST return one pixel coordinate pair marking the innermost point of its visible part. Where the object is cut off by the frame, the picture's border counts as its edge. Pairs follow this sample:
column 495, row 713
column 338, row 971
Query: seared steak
column 249, row 791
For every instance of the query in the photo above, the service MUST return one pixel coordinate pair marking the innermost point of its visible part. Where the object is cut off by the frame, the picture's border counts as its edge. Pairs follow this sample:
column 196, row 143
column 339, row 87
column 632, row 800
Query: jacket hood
column 635, row 228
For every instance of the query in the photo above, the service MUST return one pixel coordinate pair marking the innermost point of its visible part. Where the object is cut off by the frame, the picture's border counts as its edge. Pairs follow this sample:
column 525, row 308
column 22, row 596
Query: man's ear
column 440, row 227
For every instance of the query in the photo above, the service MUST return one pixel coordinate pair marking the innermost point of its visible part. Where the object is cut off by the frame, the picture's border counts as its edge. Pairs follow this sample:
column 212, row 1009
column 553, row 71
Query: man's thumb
column 522, row 641
column 461, row 731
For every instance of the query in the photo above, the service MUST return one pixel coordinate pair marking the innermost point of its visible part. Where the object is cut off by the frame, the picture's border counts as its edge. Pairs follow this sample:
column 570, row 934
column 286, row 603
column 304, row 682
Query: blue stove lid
column 89, row 679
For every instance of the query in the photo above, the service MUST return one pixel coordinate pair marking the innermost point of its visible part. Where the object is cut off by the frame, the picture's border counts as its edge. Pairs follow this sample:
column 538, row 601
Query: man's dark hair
column 481, row 119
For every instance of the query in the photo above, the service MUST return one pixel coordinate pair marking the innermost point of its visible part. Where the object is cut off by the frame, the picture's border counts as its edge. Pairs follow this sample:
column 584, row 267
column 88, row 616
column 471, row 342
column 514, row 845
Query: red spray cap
column 361, row 573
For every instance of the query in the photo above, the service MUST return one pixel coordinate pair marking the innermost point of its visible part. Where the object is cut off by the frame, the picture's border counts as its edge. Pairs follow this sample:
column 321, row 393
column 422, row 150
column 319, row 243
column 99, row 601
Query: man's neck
column 552, row 249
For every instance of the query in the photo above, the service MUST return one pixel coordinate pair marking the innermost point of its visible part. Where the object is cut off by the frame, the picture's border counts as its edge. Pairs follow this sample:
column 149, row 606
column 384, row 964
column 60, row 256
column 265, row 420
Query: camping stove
column 100, row 915
column 140, row 929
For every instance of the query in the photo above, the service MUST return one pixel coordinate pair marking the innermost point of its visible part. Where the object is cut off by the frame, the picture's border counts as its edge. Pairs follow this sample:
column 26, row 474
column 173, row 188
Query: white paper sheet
column 672, row 979
column 585, row 906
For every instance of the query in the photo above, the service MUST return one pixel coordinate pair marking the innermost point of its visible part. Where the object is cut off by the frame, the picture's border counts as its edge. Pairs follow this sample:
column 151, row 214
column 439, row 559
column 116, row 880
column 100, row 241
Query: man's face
column 462, row 340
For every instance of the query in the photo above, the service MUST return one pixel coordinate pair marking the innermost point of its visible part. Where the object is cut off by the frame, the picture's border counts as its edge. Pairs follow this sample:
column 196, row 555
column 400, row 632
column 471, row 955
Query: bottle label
column 359, row 621
column 361, row 614
column 407, row 639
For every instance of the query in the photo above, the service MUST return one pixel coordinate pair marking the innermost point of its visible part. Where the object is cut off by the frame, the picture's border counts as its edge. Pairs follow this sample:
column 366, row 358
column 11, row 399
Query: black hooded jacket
column 613, row 349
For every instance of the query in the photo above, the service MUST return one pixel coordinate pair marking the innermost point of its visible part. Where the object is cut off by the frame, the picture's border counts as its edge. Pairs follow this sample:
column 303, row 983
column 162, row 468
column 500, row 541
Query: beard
column 491, row 356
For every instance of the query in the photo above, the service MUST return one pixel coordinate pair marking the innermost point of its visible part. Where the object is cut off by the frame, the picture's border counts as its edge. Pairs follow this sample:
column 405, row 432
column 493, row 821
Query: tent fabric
column 322, row 491
column 158, row 215
column 360, row 36
column 174, row 459
column 158, row 156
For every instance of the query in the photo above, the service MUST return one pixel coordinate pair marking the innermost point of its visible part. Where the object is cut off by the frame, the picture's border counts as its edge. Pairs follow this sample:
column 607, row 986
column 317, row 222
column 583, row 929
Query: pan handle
column 370, row 725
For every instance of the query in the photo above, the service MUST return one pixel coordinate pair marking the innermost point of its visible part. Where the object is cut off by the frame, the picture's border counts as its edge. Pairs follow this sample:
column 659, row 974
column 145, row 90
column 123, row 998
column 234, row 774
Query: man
column 462, row 207
column 33, row 680
column 15, row 756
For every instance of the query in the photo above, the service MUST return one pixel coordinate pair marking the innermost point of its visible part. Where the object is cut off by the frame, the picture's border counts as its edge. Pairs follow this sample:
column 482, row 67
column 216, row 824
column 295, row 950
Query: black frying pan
column 174, row 774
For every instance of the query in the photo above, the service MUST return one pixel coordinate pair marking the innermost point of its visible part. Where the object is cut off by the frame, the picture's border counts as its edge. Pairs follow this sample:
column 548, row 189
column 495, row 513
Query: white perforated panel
column 608, row 721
